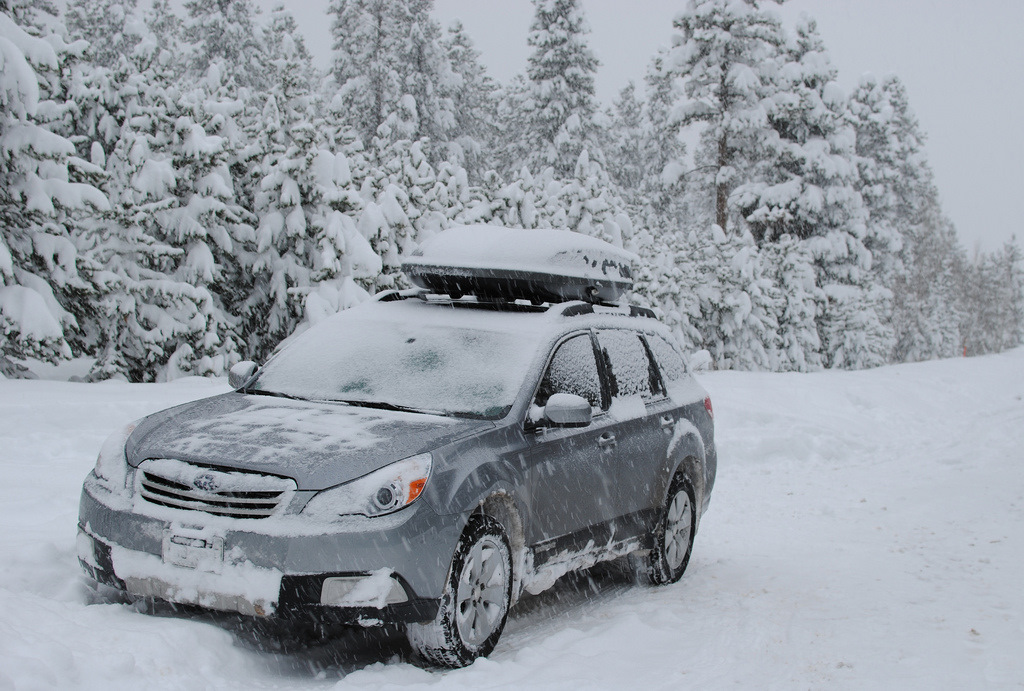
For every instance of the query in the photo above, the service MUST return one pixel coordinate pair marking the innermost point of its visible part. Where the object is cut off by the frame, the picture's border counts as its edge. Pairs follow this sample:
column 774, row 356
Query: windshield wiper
column 381, row 405
column 277, row 394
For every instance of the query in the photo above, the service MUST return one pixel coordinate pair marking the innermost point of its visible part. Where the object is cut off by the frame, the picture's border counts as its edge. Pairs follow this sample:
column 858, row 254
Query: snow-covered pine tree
column 428, row 76
column 993, row 299
column 389, row 63
column 399, row 197
column 592, row 204
column 558, row 106
column 667, row 280
column 530, row 201
column 226, row 33
column 738, row 304
column 902, row 200
column 1011, row 267
column 286, row 141
column 474, row 103
column 789, row 266
column 142, row 312
column 664, row 153
column 626, row 145
column 110, row 27
column 209, row 222
column 308, row 250
column 150, row 310
column 167, row 29
column 365, row 69
column 39, row 194
column 725, row 54
column 805, row 185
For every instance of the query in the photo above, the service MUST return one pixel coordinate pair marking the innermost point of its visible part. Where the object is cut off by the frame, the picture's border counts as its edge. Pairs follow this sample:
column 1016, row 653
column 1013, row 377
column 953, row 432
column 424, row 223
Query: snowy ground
column 867, row 530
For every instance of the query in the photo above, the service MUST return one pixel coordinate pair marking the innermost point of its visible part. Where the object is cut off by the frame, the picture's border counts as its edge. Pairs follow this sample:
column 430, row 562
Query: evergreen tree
column 668, row 280
column 389, row 64
column 664, row 151
column 154, row 318
column 905, row 215
column 39, row 197
column 428, row 75
column 399, row 202
column 725, row 54
column 109, row 26
column 225, row 33
column 737, row 302
column 287, row 192
column 558, row 105
column 993, row 297
column 592, row 204
column 474, row 104
column 805, row 184
column 627, row 145
column 790, row 268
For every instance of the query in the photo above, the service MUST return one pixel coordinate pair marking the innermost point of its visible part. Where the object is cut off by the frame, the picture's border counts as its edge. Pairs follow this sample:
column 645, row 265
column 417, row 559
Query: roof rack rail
column 567, row 308
column 392, row 295
column 576, row 308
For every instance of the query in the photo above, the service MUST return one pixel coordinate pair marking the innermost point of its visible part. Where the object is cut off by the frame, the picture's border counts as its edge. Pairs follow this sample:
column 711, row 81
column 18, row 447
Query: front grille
column 171, row 483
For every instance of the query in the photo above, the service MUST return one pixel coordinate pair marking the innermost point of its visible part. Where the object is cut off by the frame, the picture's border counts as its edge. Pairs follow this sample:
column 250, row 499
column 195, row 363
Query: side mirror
column 240, row 373
column 567, row 410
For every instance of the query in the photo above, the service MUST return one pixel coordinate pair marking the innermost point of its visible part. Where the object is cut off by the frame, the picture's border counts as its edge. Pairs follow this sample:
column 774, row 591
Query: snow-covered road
column 867, row 530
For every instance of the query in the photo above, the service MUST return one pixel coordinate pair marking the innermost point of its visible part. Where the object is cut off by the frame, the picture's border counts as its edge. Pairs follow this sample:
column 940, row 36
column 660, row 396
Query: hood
column 318, row 444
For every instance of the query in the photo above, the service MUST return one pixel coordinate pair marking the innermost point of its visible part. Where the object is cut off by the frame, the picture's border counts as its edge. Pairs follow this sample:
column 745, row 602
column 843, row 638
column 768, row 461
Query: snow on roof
column 540, row 264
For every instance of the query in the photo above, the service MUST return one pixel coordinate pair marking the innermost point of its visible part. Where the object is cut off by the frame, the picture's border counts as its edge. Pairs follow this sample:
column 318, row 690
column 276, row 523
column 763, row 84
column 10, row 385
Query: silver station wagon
column 422, row 459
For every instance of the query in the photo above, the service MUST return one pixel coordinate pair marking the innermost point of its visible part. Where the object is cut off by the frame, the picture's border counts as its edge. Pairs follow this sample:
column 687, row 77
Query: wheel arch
column 686, row 458
column 501, row 506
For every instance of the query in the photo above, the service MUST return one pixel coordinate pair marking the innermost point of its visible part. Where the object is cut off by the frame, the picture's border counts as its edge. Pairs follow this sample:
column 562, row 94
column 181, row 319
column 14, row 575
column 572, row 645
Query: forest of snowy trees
column 180, row 191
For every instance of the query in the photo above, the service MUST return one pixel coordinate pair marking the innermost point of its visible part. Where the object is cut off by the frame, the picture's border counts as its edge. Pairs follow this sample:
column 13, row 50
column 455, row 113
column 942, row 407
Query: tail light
column 707, row 407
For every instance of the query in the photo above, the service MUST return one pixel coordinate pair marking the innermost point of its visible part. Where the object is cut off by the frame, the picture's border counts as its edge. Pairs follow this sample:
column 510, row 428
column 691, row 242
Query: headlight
column 381, row 492
column 111, row 464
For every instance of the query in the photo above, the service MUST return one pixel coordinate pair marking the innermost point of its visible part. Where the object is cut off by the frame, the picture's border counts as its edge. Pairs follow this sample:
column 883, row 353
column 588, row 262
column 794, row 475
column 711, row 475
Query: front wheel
column 673, row 535
column 475, row 602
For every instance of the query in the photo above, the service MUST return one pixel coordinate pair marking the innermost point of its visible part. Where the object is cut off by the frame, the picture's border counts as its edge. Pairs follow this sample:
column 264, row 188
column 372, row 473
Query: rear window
column 631, row 369
column 670, row 362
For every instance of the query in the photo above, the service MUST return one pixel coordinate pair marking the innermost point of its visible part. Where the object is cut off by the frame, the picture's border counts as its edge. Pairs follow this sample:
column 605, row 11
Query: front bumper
column 363, row 570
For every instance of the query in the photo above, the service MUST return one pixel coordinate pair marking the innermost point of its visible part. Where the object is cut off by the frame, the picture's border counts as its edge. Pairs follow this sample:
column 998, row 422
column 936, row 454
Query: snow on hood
column 318, row 444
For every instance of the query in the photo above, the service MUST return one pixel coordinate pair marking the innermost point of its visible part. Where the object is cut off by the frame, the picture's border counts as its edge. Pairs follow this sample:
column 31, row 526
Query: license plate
column 194, row 551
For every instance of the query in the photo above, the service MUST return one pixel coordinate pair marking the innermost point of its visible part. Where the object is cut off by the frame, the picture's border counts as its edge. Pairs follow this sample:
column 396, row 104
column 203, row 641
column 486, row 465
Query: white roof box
column 540, row 265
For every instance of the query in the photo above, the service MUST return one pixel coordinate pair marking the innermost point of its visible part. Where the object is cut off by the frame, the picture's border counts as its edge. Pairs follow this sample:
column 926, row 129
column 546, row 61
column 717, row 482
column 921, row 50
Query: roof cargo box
column 539, row 265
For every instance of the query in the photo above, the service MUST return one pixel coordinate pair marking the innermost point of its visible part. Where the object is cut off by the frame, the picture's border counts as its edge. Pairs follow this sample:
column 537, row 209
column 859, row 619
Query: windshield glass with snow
column 408, row 365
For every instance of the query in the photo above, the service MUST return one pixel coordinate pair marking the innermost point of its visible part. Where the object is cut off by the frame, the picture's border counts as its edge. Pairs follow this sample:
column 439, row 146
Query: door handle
column 606, row 440
column 667, row 422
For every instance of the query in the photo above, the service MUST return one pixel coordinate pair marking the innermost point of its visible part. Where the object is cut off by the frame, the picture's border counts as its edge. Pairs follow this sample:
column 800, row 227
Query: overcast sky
column 962, row 64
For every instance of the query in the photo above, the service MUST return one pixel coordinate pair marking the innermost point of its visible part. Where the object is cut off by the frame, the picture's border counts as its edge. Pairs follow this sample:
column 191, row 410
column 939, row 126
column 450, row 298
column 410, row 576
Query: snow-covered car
column 424, row 458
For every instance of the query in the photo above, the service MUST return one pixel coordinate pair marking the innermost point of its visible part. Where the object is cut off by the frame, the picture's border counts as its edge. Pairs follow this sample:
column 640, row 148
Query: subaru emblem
column 205, row 482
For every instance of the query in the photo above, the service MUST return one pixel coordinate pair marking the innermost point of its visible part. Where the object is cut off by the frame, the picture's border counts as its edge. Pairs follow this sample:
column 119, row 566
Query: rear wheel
column 476, row 599
column 673, row 535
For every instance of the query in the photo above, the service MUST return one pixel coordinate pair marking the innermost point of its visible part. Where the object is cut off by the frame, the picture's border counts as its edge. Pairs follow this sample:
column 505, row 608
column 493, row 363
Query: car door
column 571, row 472
column 643, row 420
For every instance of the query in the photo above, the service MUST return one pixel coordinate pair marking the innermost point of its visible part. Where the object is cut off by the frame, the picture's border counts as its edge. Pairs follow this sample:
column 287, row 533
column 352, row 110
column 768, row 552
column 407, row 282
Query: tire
column 475, row 602
column 673, row 535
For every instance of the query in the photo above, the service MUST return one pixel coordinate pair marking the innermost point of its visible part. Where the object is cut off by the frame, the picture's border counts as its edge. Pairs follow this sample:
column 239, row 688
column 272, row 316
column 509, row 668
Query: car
column 422, row 459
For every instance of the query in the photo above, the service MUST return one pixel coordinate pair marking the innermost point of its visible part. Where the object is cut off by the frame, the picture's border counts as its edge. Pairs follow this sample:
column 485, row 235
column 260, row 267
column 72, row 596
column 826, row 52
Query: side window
column 573, row 369
column 626, row 356
column 670, row 362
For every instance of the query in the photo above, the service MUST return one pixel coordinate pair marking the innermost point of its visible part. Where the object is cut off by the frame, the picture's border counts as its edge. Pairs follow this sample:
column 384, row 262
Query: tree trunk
column 721, row 193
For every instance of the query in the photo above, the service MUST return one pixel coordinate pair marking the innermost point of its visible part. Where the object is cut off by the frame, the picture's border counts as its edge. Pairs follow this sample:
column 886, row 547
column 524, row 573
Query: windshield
column 407, row 365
